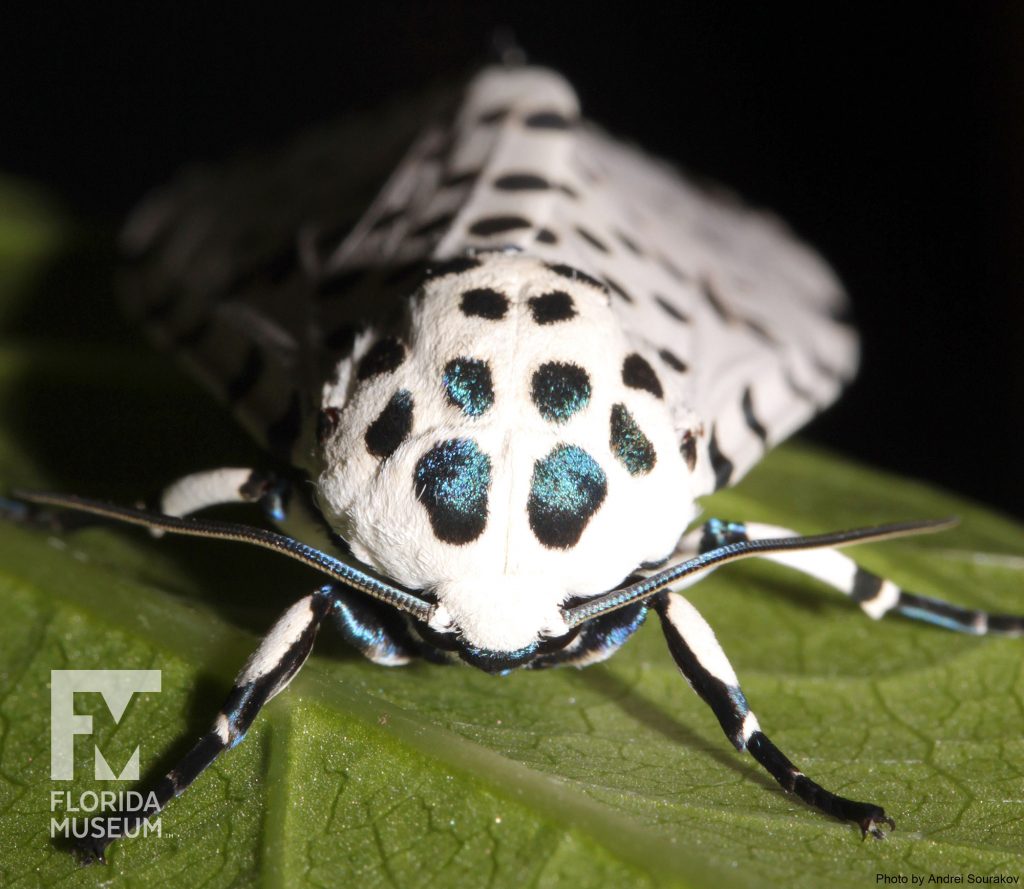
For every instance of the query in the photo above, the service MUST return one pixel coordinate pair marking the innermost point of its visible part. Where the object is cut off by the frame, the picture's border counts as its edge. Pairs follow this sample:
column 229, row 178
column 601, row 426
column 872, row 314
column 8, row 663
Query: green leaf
column 616, row 775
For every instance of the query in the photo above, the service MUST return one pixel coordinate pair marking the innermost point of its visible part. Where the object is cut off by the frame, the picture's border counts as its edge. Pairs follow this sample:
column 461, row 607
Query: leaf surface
column 616, row 775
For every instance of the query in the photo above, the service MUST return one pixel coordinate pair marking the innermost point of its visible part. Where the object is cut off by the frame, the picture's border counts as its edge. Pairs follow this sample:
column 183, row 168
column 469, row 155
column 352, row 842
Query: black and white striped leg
column 876, row 596
column 266, row 673
column 227, row 485
column 704, row 665
column 378, row 632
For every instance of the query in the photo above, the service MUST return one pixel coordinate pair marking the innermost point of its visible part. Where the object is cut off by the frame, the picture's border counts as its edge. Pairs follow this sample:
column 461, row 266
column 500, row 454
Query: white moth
column 510, row 381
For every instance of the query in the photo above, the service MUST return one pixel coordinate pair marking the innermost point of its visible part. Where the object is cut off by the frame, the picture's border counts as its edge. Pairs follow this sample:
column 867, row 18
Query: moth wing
column 236, row 269
column 745, row 323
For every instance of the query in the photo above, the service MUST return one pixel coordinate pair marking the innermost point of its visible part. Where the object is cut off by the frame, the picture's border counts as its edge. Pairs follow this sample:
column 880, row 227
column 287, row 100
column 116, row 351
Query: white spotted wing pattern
column 526, row 359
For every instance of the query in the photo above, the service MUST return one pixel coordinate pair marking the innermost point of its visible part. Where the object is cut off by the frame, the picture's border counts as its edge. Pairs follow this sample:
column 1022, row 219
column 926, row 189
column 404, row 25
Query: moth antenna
column 733, row 552
column 406, row 600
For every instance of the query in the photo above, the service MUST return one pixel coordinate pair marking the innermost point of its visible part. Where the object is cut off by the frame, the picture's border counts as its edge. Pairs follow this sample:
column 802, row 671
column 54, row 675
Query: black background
column 890, row 136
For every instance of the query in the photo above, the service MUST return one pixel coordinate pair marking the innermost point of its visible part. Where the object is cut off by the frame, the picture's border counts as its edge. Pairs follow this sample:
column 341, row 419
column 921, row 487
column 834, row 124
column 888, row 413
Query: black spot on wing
column 673, row 270
column 721, row 465
column 521, row 182
column 468, row 385
column 574, row 274
column 669, row 309
column 246, row 379
column 435, row 226
column 592, row 239
column 617, row 289
column 629, row 243
column 750, row 418
column 638, row 374
column 384, row 356
column 453, row 266
column 631, row 447
column 498, row 225
column 546, row 236
column 550, row 308
column 673, row 361
column 560, row 390
column 566, row 490
column 715, row 302
column 547, row 120
column 483, row 302
column 392, row 426
column 760, row 331
column 493, row 116
column 451, row 480
column 457, row 180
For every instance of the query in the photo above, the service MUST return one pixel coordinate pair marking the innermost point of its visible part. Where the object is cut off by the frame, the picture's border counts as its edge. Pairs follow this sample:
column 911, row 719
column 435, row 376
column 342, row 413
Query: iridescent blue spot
column 939, row 620
column 632, row 448
column 451, row 481
column 739, row 700
column 567, row 488
column 560, row 390
column 467, row 382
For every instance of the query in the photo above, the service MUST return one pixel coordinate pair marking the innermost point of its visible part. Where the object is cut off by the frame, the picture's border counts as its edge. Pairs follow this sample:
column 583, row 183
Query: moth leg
column 227, row 485
column 378, row 632
column 598, row 639
column 187, row 495
column 876, row 596
column 266, row 673
column 705, row 667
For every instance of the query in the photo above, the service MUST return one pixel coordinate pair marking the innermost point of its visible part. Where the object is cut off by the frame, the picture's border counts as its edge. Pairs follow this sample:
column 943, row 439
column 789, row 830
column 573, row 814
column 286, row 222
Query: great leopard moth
column 510, row 372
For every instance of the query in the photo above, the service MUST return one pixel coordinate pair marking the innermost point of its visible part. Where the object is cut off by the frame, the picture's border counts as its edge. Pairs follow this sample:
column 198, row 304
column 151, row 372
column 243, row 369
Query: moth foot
column 872, row 821
column 270, row 492
column 90, row 850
